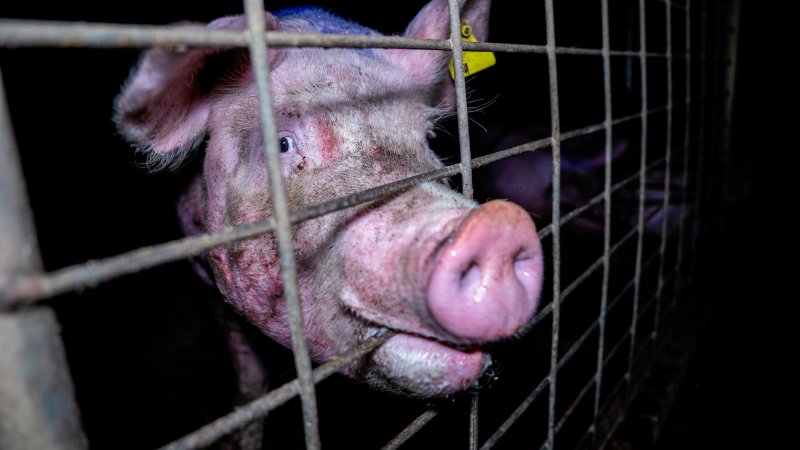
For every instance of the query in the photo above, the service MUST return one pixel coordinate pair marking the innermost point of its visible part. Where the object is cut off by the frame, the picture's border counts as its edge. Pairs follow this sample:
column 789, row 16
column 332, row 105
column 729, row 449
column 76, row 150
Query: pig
column 526, row 179
column 448, row 275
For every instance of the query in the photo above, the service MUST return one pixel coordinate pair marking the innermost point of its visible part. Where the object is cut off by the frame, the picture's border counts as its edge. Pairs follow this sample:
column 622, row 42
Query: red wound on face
column 329, row 141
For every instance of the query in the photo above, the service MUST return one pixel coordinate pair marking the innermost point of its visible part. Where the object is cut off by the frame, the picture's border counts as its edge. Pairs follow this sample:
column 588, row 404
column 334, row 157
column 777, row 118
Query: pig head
column 447, row 274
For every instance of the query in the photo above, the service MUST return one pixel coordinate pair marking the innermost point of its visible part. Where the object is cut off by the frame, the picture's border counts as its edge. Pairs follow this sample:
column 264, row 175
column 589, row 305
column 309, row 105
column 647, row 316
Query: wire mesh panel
column 605, row 126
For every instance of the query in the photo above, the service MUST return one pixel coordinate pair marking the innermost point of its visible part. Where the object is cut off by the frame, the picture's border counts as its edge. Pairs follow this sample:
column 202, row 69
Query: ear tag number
column 474, row 62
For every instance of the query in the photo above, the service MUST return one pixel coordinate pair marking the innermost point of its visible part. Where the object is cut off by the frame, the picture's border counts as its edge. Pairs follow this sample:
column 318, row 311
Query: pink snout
column 486, row 282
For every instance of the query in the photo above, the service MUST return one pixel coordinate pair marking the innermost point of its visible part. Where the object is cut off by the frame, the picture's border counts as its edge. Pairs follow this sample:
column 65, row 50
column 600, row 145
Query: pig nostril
column 470, row 275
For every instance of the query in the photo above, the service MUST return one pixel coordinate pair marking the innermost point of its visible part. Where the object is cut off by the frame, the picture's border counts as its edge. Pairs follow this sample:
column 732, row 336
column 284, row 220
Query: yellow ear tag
column 474, row 62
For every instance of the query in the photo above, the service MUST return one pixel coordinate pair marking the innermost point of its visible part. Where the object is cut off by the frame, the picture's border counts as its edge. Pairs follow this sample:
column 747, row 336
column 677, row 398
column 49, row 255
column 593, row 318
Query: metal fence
column 37, row 408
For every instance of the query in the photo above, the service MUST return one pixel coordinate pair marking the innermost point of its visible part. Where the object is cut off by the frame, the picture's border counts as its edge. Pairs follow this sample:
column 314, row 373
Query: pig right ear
column 165, row 105
column 429, row 67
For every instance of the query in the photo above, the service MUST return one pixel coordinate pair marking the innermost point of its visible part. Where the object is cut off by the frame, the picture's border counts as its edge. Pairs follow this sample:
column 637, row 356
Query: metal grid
column 23, row 287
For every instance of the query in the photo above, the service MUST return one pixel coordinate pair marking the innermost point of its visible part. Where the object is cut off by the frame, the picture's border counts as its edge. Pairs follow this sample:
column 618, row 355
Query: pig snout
column 486, row 282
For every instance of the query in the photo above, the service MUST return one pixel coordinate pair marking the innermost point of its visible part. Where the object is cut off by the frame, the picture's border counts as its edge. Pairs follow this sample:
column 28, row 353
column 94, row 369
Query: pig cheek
column 250, row 279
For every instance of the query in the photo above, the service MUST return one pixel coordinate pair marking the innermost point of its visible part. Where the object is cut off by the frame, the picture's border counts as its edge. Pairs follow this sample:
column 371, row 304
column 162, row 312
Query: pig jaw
column 399, row 267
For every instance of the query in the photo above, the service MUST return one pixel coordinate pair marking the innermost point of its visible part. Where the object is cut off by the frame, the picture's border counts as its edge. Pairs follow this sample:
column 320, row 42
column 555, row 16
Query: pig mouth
column 423, row 367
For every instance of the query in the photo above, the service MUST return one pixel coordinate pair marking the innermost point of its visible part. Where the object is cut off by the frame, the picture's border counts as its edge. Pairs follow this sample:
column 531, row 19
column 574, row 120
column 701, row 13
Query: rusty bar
column 473, row 420
column 37, row 404
column 514, row 416
column 259, row 408
column 461, row 99
column 667, row 177
column 686, row 142
column 556, row 214
column 44, row 33
column 411, row 429
column 642, row 186
column 598, row 377
column 254, row 9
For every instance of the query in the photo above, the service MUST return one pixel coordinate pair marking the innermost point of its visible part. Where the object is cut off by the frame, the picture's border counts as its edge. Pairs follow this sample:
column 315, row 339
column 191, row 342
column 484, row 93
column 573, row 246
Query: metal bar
column 411, row 429
column 571, row 408
column 44, row 33
column 544, row 232
column 259, row 408
column 700, row 140
column 642, row 186
column 577, row 345
column 556, row 214
column 254, row 9
column 461, row 99
column 37, row 404
column 732, row 42
column 686, row 141
column 516, row 414
column 25, row 289
column 598, row 377
column 667, row 177
column 473, row 421
column 22, row 290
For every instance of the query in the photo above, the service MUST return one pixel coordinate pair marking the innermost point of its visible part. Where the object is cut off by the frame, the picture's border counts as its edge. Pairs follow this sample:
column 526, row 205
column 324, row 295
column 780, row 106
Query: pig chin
column 425, row 368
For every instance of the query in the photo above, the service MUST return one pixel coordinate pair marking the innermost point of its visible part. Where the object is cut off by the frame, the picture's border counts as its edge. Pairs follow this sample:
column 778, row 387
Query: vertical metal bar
column 37, row 404
column 732, row 28
column 461, row 99
column 606, row 214
column 686, row 141
column 473, row 421
column 701, row 141
column 667, row 178
column 556, row 148
column 258, row 55
column 642, row 187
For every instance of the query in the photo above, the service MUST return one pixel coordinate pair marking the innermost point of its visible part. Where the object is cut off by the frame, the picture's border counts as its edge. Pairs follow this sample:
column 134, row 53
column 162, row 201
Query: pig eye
column 287, row 144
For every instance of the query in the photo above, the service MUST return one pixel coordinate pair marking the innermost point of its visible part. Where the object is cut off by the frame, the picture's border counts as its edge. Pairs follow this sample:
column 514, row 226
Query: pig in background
column 449, row 275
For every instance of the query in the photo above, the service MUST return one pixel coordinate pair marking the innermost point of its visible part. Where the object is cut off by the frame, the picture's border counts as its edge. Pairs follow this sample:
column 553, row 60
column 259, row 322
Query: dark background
column 148, row 359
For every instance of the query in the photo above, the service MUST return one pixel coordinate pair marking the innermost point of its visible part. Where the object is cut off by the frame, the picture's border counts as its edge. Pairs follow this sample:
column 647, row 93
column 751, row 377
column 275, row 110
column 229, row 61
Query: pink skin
column 350, row 120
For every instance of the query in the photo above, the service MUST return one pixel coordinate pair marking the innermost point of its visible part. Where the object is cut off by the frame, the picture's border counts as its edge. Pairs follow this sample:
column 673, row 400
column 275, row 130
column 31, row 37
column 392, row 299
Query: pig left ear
column 429, row 67
column 164, row 107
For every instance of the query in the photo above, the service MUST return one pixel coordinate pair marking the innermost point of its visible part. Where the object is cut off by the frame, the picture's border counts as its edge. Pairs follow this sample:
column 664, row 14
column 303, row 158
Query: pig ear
column 429, row 67
column 165, row 105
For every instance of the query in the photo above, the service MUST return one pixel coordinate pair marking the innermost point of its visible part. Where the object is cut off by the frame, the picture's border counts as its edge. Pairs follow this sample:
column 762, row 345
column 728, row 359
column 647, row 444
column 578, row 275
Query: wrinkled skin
column 448, row 275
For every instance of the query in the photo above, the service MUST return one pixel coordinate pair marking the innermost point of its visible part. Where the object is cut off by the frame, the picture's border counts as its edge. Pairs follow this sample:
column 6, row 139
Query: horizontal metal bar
column 411, row 429
column 514, row 415
column 544, row 232
column 21, row 291
column 577, row 345
column 258, row 408
column 42, row 33
column 575, row 403
column 582, row 277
